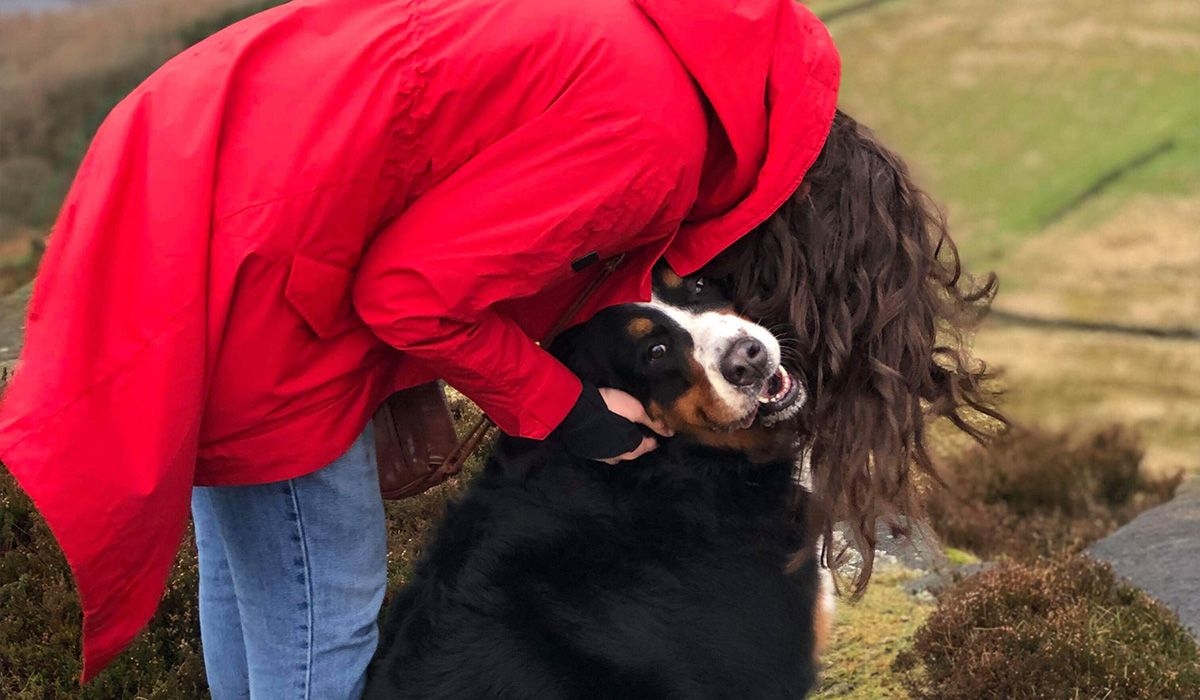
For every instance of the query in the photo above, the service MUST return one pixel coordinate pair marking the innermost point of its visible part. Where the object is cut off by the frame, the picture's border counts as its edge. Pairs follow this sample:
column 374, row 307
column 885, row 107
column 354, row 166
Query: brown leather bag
column 416, row 444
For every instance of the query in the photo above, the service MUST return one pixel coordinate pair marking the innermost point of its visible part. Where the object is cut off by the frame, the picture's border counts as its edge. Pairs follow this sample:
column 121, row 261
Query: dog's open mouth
column 780, row 397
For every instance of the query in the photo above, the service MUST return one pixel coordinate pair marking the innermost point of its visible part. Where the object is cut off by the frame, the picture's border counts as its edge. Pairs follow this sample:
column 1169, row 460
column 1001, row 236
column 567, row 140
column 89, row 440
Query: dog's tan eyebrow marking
column 640, row 327
column 671, row 279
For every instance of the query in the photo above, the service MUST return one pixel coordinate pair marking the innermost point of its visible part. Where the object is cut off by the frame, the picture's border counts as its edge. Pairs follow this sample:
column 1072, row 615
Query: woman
column 337, row 199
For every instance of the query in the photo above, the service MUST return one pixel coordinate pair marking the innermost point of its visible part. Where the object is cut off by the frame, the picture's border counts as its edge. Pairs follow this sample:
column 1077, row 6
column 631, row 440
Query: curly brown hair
column 858, row 270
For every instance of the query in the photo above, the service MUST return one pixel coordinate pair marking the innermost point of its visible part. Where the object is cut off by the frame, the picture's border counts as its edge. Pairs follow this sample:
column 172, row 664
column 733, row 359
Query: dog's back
column 557, row 577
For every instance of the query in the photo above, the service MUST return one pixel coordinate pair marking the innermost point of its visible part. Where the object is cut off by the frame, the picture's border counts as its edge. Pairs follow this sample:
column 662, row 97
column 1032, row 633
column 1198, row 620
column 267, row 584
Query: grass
column 1136, row 265
column 1011, row 110
column 867, row 637
column 1063, row 379
column 1128, row 259
column 960, row 557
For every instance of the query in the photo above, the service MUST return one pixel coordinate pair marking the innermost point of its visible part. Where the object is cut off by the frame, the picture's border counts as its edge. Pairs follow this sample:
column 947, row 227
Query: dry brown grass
column 1133, row 262
column 60, row 74
column 1139, row 266
column 1039, row 493
column 1059, row 379
column 41, row 54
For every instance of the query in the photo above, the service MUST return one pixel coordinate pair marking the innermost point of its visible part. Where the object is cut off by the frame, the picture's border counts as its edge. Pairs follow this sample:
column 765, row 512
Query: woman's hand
column 603, row 425
column 629, row 408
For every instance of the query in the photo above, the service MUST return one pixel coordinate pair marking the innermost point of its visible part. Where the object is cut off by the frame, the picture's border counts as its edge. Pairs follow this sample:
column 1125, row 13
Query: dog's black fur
column 560, row 577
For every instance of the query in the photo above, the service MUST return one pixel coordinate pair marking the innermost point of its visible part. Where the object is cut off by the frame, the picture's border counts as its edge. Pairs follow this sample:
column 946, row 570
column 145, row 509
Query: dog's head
column 712, row 376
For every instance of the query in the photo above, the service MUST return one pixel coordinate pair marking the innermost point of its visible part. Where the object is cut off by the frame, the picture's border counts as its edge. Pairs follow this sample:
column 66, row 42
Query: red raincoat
column 336, row 199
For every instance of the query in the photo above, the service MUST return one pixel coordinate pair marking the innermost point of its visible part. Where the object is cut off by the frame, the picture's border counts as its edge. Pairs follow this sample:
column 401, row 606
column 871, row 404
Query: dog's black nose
column 745, row 363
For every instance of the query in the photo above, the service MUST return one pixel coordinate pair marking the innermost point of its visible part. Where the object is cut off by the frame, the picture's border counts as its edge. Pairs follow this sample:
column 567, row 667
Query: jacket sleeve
column 506, row 226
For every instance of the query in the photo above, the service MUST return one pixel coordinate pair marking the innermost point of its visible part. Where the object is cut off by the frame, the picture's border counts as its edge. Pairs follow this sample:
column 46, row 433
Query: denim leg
column 308, row 560
column 220, row 622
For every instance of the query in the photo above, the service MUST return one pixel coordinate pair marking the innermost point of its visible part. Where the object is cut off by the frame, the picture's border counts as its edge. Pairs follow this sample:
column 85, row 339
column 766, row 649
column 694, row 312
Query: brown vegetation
column 1038, row 492
column 1050, row 629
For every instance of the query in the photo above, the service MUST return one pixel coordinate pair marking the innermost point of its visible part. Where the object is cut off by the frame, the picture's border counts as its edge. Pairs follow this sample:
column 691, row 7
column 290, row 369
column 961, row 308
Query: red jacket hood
column 769, row 72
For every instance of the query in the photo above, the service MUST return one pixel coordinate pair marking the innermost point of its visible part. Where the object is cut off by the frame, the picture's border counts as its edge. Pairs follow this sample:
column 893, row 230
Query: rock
column 1159, row 552
column 921, row 551
column 929, row 585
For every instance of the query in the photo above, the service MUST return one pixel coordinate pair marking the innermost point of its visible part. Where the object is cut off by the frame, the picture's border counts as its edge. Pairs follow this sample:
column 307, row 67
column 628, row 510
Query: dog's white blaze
column 802, row 474
column 828, row 591
column 827, row 600
column 712, row 335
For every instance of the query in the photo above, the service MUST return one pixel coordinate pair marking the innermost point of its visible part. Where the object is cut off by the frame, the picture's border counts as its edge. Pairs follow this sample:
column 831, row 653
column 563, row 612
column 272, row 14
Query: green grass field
column 1012, row 110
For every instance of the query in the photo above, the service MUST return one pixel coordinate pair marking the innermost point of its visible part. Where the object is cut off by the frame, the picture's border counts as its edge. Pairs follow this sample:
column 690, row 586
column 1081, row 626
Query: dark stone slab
column 1159, row 552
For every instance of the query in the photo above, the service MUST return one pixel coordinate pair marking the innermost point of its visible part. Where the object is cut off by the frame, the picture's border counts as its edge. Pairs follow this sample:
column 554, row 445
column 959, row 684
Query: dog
column 674, row 576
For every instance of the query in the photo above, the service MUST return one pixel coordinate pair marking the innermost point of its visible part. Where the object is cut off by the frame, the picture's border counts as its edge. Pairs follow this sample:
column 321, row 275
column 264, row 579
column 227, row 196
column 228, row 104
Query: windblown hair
column 859, row 268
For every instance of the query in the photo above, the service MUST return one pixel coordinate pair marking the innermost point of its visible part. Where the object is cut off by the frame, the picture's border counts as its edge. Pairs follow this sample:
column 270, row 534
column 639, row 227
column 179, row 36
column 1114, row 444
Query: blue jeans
column 292, row 576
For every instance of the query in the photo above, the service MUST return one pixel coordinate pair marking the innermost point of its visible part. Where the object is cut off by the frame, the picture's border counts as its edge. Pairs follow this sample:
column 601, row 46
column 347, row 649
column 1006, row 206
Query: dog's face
column 713, row 377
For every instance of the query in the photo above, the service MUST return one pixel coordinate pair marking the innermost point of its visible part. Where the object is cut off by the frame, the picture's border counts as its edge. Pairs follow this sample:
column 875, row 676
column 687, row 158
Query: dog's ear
column 573, row 350
column 691, row 292
column 577, row 349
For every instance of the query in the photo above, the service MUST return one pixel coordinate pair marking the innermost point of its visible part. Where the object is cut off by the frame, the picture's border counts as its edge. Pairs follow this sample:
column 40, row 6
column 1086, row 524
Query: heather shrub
column 1063, row 628
column 39, row 629
column 40, row 624
column 1036, row 492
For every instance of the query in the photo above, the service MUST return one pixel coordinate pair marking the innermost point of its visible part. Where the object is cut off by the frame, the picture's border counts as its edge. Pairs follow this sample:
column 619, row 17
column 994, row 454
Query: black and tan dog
column 560, row 577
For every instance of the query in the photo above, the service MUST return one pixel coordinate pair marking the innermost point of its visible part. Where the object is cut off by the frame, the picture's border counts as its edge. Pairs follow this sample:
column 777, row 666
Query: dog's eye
column 658, row 352
column 698, row 286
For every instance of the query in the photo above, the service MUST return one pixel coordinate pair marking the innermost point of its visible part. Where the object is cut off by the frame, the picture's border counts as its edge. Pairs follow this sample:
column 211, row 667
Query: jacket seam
column 308, row 587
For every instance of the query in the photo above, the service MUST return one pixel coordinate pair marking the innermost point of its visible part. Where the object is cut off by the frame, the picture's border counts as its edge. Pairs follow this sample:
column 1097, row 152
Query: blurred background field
column 1063, row 138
